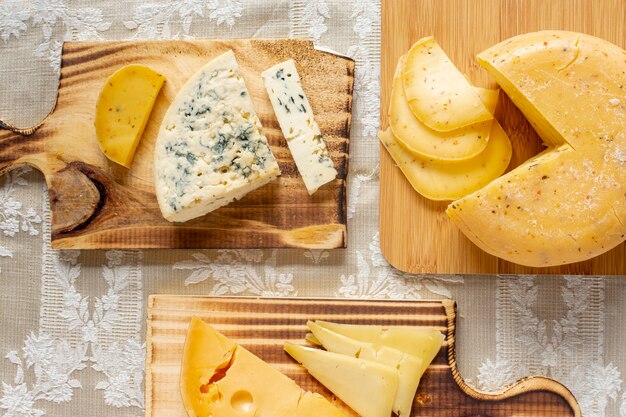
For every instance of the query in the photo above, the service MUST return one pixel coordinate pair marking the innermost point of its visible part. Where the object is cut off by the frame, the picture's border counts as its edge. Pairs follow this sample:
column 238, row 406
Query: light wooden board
column 97, row 204
column 264, row 325
column 416, row 235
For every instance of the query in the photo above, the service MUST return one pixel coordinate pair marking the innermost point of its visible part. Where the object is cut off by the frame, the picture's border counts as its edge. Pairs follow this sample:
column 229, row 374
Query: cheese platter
column 103, row 197
column 558, row 213
column 263, row 325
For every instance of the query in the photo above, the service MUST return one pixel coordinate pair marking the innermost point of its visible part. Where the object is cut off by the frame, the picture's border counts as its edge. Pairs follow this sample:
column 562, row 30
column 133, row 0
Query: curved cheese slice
column 221, row 379
column 438, row 93
column 459, row 144
column 210, row 149
column 568, row 204
column 451, row 180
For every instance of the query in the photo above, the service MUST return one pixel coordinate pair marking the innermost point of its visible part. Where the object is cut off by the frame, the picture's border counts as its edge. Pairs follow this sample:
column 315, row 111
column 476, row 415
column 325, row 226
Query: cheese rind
column 222, row 379
column 298, row 125
column 211, row 149
column 409, row 367
column 568, row 204
column 369, row 388
column 437, row 92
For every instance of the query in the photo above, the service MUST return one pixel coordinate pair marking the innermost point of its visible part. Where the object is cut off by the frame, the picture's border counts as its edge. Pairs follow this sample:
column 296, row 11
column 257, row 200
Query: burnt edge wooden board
column 263, row 325
column 415, row 233
column 97, row 204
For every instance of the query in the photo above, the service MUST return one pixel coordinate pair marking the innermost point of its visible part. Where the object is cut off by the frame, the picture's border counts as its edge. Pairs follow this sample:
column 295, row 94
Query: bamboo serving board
column 264, row 325
column 96, row 203
column 415, row 233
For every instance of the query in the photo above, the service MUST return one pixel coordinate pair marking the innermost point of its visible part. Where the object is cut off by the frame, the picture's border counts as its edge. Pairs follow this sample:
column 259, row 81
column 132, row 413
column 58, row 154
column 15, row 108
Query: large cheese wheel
column 569, row 203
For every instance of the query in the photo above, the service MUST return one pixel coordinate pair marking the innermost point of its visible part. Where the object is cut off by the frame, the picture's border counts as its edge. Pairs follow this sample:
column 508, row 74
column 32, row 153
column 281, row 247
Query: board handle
column 522, row 386
column 21, row 147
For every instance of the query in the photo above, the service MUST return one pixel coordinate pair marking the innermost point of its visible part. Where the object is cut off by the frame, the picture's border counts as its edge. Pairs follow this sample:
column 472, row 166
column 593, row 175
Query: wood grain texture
column 416, row 235
column 264, row 325
column 96, row 203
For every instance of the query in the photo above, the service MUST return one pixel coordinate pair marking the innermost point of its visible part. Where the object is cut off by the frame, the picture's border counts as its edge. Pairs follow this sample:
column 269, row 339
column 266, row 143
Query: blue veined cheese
column 302, row 133
column 210, row 149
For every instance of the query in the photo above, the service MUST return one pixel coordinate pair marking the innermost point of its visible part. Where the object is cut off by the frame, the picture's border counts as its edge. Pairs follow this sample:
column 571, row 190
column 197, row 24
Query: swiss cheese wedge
column 123, row 109
column 420, row 342
column 222, row 379
column 369, row 388
column 437, row 92
column 568, row 204
column 415, row 136
column 409, row 367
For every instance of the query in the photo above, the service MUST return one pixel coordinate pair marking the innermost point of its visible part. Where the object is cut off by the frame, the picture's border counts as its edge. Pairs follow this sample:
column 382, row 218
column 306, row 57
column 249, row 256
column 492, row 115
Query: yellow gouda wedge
column 568, row 204
column 459, row 144
column 123, row 109
column 437, row 92
column 222, row 379
column 452, row 180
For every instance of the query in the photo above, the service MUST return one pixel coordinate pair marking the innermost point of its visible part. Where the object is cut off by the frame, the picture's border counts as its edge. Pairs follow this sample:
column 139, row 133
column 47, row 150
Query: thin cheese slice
column 423, row 343
column 222, row 379
column 298, row 125
column 567, row 205
column 211, row 149
column 409, row 367
column 369, row 388
column 438, row 93
column 459, row 144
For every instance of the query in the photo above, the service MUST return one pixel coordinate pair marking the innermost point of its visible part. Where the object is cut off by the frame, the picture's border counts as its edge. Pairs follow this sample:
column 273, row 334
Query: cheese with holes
column 419, row 139
column 423, row 343
column 122, row 111
column 369, row 388
column 438, row 94
column 210, row 149
column 222, row 379
column 298, row 125
column 409, row 367
column 569, row 203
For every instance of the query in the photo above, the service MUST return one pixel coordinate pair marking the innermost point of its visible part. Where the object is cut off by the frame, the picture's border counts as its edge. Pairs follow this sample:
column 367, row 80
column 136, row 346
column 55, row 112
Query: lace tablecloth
column 72, row 329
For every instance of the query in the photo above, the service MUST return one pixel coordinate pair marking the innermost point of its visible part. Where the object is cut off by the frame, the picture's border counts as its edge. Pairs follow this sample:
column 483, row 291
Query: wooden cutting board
column 264, row 325
column 98, row 204
column 415, row 233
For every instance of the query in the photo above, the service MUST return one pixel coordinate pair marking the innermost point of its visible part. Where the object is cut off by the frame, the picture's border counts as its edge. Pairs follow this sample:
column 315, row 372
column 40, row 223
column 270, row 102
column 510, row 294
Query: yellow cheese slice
column 409, row 367
column 452, row 180
column 369, row 388
column 569, row 204
column 459, row 144
column 123, row 109
column 221, row 379
column 423, row 343
column 437, row 92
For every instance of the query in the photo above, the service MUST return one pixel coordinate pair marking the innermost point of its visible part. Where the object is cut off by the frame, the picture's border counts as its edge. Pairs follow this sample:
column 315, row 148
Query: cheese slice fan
column 222, row 379
column 437, row 92
column 415, row 136
column 568, row 204
column 123, row 109
column 409, row 367
column 369, row 388
column 423, row 343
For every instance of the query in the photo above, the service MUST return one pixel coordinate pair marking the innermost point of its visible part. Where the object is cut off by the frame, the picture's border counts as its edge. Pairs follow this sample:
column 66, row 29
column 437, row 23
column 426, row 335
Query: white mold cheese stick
column 302, row 133
column 211, row 149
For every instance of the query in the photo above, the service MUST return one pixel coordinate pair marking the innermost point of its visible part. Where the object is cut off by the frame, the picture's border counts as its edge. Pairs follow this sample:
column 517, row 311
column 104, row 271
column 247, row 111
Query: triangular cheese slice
column 210, row 149
column 409, row 367
column 420, row 342
column 369, row 388
column 222, row 379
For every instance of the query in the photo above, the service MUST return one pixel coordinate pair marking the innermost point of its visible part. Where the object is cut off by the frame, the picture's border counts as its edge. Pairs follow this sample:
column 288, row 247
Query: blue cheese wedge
column 210, row 149
column 302, row 133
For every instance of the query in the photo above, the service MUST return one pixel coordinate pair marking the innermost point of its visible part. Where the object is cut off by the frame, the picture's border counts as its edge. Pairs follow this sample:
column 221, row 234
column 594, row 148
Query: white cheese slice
column 298, row 125
column 210, row 149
